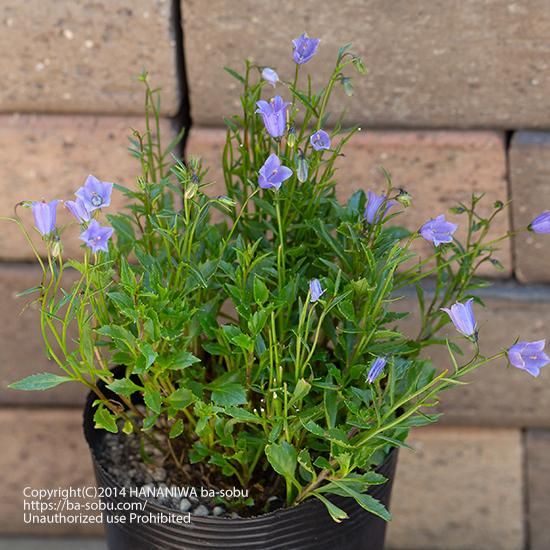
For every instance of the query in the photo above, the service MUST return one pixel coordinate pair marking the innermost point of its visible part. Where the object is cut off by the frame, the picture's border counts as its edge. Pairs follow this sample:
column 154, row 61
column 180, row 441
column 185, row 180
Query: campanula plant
column 263, row 344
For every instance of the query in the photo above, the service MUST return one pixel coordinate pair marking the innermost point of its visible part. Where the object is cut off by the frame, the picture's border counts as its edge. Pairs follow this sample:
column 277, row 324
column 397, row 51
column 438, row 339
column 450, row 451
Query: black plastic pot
column 304, row 527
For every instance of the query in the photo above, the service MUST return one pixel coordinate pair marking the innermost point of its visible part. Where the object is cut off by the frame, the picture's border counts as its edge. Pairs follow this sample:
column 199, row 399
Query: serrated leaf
column 261, row 293
column 302, row 388
column 229, row 394
column 283, row 458
column 152, row 399
column 39, row 382
column 176, row 429
column 366, row 501
column 337, row 514
column 105, row 420
column 183, row 360
column 181, row 398
column 124, row 386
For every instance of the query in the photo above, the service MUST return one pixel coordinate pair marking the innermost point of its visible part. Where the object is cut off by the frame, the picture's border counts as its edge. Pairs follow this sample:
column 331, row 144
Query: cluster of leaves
column 213, row 326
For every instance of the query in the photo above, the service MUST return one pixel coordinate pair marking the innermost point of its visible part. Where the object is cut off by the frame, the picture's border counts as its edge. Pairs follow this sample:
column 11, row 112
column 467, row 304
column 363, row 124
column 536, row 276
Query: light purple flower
column 94, row 193
column 438, row 231
column 315, row 290
column 377, row 207
column 376, row 369
column 304, row 48
column 273, row 173
column 270, row 76
column 320, row 140
column 541, row 224
column 44, row 214
column 462, row 316
column 528, row 356
column 79, row 210
column 97, row 237
column 274, row 115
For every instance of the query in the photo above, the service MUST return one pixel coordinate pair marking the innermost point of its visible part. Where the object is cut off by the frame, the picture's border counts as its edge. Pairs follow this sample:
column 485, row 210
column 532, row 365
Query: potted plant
column 249, row 380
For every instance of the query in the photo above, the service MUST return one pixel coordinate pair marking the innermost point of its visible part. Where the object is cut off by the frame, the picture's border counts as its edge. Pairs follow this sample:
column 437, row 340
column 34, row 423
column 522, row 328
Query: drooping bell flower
column 304, row 48
column 273, row 115
column 462, row 317
column 528, row 356
column 44, row 214
column 376, row 369
column 273, row 173
column 541, row 224
column 320, row 140
column 270, row 76
column 377, row 207
column 315, row 290
column 438, row 230
column 97, row 237
column 79, row 210
column 95, row 193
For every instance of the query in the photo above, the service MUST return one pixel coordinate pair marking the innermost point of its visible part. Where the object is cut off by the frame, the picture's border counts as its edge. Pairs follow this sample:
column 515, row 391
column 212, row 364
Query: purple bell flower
column 528, row 356
column 320, row 140
column 270, row 76
column 377, row 207
column 376, row 369
column 315, row 290
column 304, row 48
column 79, row 210
column 462, row 316
column 541, row 224
column 44, row 214
column 97, row 237
column 438, row 231
column 273, row 173
column 274, row 115
column 94, row 193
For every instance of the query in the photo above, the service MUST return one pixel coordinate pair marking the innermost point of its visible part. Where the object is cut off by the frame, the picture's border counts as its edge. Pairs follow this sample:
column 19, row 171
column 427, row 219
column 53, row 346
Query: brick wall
column 457, row 99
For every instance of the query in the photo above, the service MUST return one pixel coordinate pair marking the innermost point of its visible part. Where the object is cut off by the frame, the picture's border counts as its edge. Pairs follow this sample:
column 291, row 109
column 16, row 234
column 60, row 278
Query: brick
column 42, row 449
column 538, row 488
column 47, row 157
column 437, row 168
column 21, row 343
column 530, row 189
column 431, row 63
column 496, row 395
column 86, row 56
column 459, row 489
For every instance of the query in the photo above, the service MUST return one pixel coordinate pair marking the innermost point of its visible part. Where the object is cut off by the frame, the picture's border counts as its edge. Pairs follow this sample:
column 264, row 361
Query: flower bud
column 302, row 167
column 226, row 201
column 291, row 137
column 404, row 198
column 56, row 248
column 347, row 85
column 191, row 191
column 359, row 65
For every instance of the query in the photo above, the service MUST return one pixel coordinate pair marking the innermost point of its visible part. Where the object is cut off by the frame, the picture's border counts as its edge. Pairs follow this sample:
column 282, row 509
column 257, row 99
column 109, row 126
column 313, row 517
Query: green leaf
column 261, row 293
column 283, row 458
column 152, row 399
column 181, row 398
column 300, row 391
column 176, row 429
column 146, row 359
column 42, row 381
column 105, row 420
column 243, row 341
column 229, row 394
column 337, row 514
column 365, row 501
column 183, row 360
column 234, row 74
column 242, row 415
column 124, row 386
column 347, row 310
